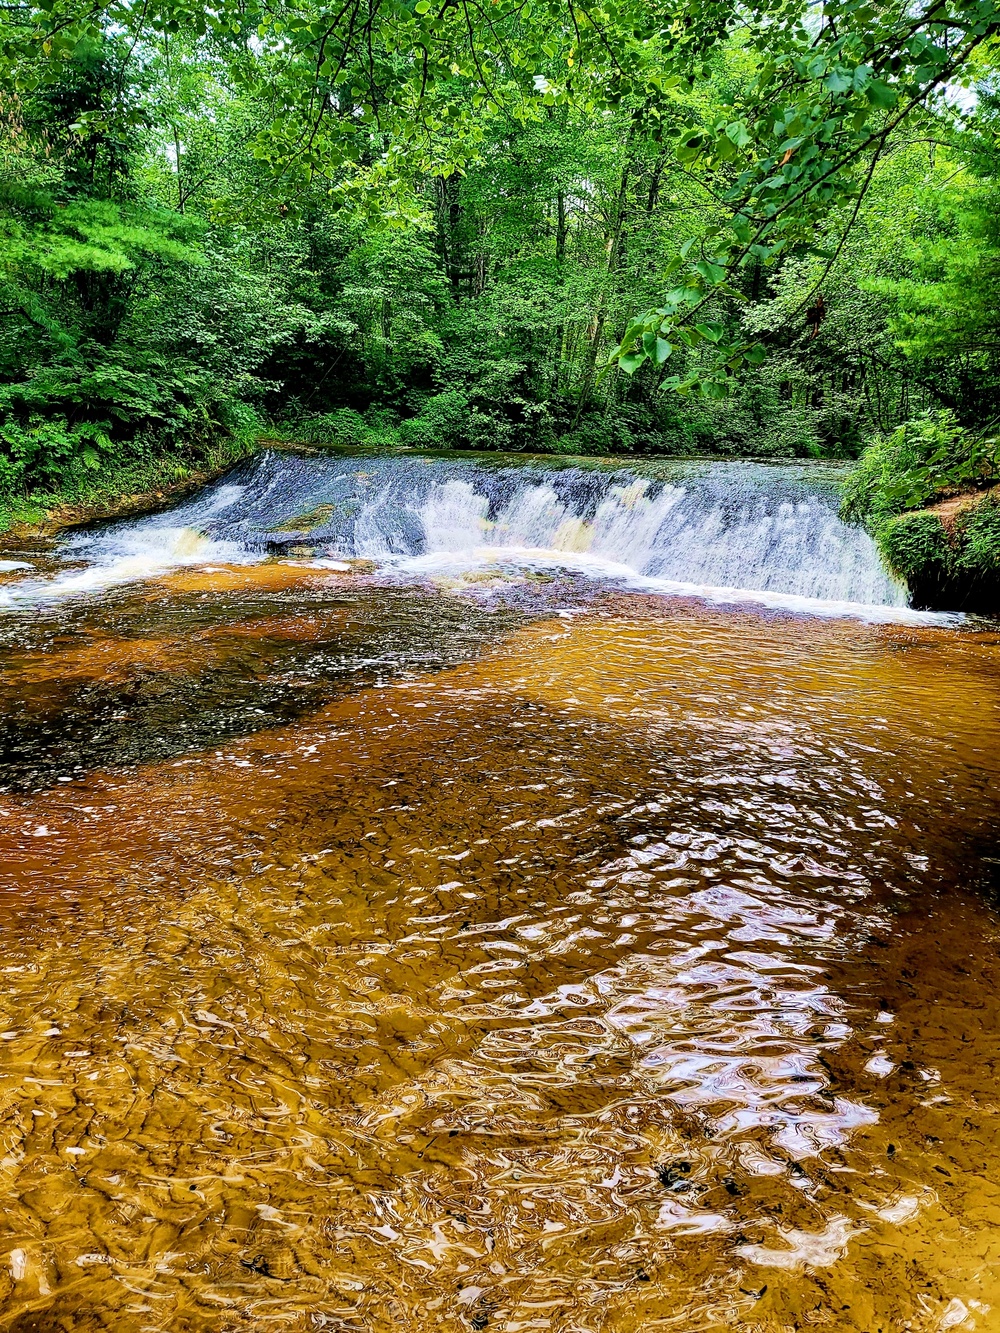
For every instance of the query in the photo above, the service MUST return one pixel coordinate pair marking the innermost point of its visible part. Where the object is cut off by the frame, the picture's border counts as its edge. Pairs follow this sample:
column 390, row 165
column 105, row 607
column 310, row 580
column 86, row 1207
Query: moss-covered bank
column 929, row 494
column 949, row 553
column 118, row 490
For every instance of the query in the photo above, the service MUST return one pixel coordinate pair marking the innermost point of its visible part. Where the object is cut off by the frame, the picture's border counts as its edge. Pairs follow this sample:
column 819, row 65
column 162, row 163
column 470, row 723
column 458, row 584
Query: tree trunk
column 615, row 250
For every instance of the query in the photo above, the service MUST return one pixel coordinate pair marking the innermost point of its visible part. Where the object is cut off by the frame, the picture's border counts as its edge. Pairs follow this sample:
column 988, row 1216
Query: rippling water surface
column 380, row 955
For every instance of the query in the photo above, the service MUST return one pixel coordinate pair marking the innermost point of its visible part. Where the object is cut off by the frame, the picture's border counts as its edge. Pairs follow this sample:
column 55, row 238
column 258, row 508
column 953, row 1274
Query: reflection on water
column 631, row 969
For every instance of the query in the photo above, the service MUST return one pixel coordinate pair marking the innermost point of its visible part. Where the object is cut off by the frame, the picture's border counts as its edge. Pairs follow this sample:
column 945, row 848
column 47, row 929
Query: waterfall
column 724, row 531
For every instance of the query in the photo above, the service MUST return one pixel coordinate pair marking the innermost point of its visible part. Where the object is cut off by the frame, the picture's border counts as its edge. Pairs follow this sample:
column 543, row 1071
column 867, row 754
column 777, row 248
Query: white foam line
column 445, row 563
column 810, row 606
column 163, row 549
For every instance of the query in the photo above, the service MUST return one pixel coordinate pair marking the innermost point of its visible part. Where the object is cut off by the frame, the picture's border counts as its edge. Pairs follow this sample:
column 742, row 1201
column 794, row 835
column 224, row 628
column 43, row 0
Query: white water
column 799, row 548
column 727, row 533
column 128, row 553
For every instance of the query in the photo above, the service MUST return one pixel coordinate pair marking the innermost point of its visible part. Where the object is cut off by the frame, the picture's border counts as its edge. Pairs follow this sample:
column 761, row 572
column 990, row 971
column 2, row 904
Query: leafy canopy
column 366, row 93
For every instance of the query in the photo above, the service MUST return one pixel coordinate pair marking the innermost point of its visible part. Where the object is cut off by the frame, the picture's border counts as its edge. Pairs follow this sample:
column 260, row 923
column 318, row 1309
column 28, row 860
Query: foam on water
column 512, row 560
column 725, row 532
column 129, row 557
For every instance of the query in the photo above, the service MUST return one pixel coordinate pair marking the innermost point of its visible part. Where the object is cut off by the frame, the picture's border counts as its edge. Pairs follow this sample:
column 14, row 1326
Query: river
column 477, row 894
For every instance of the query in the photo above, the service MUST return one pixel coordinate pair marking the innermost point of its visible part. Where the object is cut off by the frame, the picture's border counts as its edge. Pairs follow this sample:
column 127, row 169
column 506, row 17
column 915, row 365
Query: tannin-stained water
column 374, row 957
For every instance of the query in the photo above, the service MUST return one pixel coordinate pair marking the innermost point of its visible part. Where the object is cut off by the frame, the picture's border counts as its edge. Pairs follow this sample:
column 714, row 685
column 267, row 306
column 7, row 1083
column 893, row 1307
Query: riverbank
column 137, row 487
column 948, row 553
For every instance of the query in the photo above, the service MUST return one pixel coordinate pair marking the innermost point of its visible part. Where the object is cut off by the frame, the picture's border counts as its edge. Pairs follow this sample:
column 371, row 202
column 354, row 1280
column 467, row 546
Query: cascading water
column 725, row 531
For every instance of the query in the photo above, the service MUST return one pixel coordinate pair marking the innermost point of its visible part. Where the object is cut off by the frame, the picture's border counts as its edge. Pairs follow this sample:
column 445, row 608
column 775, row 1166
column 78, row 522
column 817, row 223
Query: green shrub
column 343, row 426
column 915, row 545
column 898, row 475
column 919, row 462
column 978, row 539
column 44, row 449
column 442, row 423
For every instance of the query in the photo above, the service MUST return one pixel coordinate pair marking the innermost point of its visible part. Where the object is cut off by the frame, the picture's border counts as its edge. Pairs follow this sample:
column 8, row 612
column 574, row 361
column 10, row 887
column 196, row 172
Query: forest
column 688, row 228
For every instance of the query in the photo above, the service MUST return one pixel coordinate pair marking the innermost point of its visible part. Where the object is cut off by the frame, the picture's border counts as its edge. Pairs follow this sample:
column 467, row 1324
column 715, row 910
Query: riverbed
column 510, row 930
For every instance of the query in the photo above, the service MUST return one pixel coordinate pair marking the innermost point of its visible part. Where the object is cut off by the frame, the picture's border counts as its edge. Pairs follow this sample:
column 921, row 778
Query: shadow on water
column 139, row 679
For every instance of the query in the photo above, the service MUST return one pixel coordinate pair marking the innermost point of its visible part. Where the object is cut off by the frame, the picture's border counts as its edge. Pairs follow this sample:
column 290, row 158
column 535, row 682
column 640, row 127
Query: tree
column 447, row 215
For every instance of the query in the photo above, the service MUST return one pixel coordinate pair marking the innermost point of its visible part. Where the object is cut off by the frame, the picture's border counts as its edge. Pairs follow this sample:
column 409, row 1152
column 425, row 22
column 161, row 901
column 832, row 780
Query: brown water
column 371, row 962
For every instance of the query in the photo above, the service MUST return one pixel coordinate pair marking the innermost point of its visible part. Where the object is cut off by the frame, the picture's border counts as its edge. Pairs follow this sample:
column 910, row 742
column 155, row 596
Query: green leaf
column 689, row 147
column 712, row 273
column 631, row 362
column 838, row 82
column 725, row 149
column 657, row 349
column 881, row 95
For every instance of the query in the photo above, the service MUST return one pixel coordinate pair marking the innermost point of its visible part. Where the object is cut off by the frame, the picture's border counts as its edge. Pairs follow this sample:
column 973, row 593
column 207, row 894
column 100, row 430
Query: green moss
column 315, row 518
column 914, row 545
column 978, row 539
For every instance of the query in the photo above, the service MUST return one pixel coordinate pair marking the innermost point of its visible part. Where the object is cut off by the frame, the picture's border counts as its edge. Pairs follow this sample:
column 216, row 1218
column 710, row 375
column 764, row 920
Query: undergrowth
column 97, row 473
column 902, row 475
